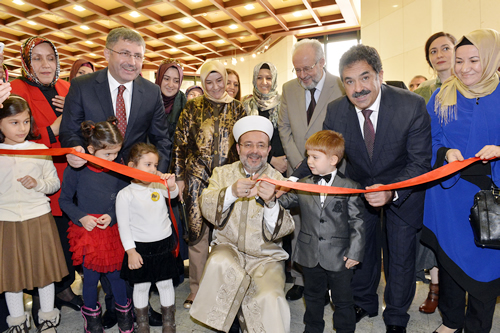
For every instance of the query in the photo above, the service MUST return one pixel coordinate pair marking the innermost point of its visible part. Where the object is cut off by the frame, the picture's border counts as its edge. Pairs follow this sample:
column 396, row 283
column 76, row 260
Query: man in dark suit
column 94, row 97
column 120, row 91
column 392, row 144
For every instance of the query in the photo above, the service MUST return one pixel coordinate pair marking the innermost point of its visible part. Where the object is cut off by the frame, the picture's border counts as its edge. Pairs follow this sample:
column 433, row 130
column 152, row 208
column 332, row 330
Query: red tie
column 369, row 132
column 121, row 115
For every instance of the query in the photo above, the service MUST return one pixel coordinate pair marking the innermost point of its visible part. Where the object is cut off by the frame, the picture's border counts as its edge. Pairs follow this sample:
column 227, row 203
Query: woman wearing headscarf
column 41, row 87
column 193, row 92
column 81, row 67
column 465, row 122
column 266, row 102
column 169, row 77
column 203, row 141
column 439, row 55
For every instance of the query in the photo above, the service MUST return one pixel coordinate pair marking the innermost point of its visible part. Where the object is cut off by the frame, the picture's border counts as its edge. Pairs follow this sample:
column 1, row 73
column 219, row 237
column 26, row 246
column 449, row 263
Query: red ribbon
column 116, row 167
column 436, row 174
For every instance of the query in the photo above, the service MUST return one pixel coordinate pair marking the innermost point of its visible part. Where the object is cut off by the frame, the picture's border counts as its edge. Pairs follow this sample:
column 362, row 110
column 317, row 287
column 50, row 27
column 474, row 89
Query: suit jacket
column 402, row 147
column 89, row 98
column 328, row 233
column 292, row 122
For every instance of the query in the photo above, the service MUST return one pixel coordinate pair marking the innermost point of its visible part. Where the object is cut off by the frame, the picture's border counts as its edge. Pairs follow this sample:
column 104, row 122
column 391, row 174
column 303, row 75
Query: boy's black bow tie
column 327, row 178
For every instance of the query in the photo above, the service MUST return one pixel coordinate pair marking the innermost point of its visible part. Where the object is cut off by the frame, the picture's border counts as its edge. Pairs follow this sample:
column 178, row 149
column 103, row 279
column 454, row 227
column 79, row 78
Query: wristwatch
column 271, row 204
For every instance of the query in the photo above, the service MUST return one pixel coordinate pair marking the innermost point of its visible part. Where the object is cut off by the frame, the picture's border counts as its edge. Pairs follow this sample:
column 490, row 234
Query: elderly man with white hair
column 244, row 273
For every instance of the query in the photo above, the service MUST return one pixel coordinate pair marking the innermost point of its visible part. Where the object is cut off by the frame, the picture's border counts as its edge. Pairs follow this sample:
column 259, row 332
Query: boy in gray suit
column 331, row 240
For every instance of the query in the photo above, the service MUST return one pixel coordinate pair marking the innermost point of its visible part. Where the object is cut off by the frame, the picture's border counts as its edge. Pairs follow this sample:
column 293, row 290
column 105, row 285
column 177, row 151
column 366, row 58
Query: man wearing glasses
column 120, row 91
column 302, row 112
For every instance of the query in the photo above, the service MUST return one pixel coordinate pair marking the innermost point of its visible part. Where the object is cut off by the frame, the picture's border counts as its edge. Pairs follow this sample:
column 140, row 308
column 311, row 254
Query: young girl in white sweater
column 31, row 255
column 148, row 238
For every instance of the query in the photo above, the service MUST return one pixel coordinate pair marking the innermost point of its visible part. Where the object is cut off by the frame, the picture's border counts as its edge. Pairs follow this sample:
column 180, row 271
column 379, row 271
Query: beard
column 252, row 169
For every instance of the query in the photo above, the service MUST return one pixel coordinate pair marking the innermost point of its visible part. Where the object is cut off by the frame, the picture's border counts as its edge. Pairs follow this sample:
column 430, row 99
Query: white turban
column 252, row 123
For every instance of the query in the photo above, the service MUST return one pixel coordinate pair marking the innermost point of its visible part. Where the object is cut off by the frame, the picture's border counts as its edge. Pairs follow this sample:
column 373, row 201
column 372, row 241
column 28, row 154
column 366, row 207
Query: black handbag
column 485, row 218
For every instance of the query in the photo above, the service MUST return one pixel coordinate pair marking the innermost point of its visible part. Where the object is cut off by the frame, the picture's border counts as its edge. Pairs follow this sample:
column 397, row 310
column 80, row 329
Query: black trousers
column 397, row 239
column 477, row 318
column 316, row 282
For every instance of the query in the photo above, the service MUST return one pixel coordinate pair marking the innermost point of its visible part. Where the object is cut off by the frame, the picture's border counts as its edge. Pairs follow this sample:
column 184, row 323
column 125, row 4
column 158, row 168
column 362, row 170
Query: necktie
column 312, row 105
column 327, row 178
column 121, row 115
column 369, row 132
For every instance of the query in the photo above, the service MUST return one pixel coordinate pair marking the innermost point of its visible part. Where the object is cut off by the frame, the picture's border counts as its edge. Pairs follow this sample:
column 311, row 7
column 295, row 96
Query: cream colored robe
column 245, row 272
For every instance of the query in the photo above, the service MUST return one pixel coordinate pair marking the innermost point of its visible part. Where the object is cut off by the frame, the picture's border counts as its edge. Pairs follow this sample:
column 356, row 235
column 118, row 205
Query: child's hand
column 349, row 263
column 88, row 222
column 103, row 221
column 134, row 259
column 170, row 177
column 28, row 182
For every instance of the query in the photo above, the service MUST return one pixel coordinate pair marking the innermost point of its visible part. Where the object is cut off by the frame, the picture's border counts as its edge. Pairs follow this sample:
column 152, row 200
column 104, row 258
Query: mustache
column 361, row 93
column 254, row 155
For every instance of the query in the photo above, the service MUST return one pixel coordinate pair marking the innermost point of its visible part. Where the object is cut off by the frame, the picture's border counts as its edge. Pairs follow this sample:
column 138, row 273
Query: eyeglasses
column 128, row 55
column 306, row 70
column 249, row 145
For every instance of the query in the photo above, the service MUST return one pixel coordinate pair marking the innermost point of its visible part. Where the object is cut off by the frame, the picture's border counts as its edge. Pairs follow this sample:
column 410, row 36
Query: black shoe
column 76, row 303
column 327, row 298
column 109, row 319
column 361, row 313
column 396, row 329
column 295, row 293
column 154, row 318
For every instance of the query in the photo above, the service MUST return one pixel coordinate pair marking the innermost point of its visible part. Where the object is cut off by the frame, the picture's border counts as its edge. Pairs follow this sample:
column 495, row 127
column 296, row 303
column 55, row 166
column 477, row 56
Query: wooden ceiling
column 191, row 31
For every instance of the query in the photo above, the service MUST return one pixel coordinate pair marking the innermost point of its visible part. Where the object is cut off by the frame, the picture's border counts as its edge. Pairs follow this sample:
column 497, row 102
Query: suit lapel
column 315, row 196
column 338, row 181
column 385, row 116
column 103, row 94
column 135, row 106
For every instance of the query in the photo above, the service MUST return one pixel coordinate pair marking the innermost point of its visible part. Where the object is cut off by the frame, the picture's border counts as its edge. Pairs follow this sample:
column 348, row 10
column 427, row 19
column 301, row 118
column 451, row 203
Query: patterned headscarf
column 27, row 70
column 487, row 41
column 168, row 101
column 206, row 69
column 264, row 102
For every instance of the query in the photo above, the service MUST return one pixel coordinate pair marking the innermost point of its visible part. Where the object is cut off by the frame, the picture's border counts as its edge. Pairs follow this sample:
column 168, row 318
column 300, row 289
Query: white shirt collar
column 113, row 84
column 321, row 82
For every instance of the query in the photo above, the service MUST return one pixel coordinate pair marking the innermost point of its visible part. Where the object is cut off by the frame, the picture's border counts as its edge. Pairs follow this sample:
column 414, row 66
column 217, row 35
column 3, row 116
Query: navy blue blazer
column 89, row 98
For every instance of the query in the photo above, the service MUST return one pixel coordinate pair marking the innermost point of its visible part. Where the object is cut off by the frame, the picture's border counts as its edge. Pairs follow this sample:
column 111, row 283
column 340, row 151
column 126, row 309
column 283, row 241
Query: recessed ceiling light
column 173, row 49
column 179, row 36
column 84, row 27
column 134, row 14
column 249, row 7
column 196, row 1
column 220, row 41
column 79, row 8
column 18, row 2
column 233, row 26
column 254, row 55
column 242, row 59
column 92, row 54
column 186, row 20
column 395, row 6
column 31, row 22
column 297, row 14
column 89, row 42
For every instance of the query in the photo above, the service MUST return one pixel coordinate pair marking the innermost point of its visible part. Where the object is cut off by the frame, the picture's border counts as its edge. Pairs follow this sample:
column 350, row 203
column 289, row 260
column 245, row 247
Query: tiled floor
column 72, row 321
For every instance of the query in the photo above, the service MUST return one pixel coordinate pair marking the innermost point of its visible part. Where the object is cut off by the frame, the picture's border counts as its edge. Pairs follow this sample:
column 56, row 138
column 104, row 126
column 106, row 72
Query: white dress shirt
column 375, row 107
column 317, row 92
column 127, row 93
